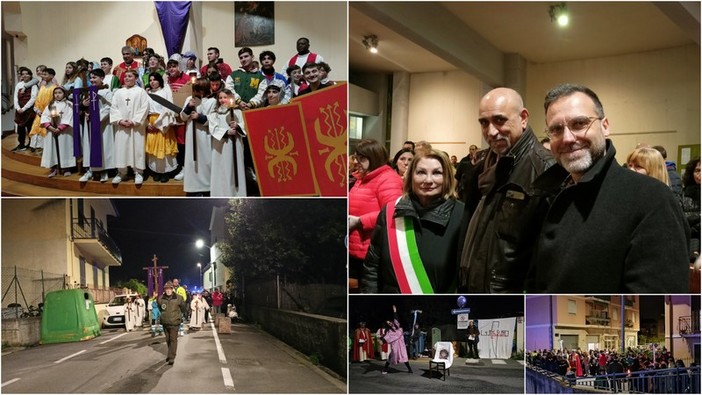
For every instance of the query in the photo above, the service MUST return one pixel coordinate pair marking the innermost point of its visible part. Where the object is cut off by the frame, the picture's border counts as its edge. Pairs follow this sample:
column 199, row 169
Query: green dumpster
column 69, row 316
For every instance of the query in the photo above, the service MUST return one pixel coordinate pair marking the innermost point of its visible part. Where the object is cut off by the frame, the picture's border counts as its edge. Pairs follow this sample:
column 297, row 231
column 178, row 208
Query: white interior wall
column 58, row 32
column 651, row 97
column 443, row 110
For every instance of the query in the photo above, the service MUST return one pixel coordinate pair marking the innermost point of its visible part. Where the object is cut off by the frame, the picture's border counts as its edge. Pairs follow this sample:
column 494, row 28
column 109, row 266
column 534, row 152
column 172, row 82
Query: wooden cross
column 127, row 100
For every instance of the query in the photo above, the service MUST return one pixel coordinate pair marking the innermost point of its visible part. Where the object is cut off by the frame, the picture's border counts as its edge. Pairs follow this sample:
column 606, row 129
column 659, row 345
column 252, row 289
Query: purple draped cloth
column 173, row 16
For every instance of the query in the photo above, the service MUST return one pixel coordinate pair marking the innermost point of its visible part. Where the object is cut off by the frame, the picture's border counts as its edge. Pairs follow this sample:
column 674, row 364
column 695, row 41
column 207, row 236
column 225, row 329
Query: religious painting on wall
column 138, row 43
column 254, row 23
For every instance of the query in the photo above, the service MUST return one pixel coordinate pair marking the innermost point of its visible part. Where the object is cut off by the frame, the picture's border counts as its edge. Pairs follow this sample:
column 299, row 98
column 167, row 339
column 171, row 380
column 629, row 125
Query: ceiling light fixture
column 371, row 43
column 559, row 13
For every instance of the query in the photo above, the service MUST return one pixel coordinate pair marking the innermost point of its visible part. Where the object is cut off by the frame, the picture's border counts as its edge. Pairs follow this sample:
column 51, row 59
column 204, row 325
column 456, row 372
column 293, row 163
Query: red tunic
column 367, row 344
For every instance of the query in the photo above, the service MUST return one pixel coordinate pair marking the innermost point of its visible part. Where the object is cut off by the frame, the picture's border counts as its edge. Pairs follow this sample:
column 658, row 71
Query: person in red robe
column 362, row 344
column 575, row 364
column 128, row 64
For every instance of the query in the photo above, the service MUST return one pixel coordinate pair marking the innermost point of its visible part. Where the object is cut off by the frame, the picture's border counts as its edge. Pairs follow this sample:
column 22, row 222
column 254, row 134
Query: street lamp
column 199, row 243
column 199, row 266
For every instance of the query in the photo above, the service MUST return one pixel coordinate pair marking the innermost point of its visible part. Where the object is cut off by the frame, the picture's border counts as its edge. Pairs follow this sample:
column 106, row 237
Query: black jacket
column 615, row 231
column 502, row 231
column 436, row 230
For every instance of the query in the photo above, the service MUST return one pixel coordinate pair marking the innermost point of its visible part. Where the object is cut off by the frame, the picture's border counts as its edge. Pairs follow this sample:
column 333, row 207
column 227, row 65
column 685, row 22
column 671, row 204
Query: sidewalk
column 260, row 363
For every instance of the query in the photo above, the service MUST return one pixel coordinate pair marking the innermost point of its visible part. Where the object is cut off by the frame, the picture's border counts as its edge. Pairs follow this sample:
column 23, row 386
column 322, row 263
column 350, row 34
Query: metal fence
column 22, row 288
column 658, row 381
column 323, row 299
column 27, row 287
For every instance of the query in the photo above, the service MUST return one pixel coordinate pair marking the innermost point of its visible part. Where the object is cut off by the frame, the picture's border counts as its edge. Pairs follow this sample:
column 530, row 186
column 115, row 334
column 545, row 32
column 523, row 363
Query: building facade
column 51, row 244
column 682, row 327
column 581, row 321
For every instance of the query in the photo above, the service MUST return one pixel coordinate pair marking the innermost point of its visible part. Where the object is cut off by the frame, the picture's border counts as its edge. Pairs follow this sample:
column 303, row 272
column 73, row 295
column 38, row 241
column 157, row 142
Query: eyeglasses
column 578, row 126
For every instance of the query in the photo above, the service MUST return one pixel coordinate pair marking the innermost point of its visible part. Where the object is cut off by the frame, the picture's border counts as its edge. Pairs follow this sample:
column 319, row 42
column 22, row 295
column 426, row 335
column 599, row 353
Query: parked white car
column 115, row 311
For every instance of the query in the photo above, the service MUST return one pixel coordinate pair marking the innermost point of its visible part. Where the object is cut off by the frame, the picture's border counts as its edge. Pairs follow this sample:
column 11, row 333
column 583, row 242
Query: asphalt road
column 246, row 361
column 486, row 377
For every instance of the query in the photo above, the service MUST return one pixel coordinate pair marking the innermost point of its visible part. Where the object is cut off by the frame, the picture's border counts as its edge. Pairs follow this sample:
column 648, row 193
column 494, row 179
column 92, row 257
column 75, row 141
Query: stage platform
column 22, row 176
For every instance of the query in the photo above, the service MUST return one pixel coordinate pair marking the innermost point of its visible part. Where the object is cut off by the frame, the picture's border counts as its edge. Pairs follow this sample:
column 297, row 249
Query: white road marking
column 9, row 382
column 522, row 362
column 113, row 338
column 220, row 351
column 226, row 373
column 228, row 381
column 498, row 362
column 70, row 356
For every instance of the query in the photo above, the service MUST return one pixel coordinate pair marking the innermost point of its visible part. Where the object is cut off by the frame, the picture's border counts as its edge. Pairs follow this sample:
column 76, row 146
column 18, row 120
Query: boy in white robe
column 198, row 143
column 130, row 106
column 140, row 311
column 57, row 119
column 107, row 134
column 129, row 315
column 227, row 129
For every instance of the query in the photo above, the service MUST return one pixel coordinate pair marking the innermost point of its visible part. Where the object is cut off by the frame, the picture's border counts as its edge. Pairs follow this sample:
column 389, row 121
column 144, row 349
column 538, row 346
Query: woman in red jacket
column 377, row 184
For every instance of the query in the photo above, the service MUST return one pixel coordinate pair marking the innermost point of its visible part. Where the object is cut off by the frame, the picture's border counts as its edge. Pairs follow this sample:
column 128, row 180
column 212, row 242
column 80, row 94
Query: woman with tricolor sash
column 413, row 248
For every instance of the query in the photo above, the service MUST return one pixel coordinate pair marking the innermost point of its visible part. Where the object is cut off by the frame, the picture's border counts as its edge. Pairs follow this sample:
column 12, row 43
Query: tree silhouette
column 301, row 239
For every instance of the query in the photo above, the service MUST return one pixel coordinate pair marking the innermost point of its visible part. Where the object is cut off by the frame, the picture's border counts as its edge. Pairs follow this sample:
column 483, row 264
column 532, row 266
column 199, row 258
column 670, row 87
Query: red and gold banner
column 279, row 148
column 301, row 148
column 327, row 129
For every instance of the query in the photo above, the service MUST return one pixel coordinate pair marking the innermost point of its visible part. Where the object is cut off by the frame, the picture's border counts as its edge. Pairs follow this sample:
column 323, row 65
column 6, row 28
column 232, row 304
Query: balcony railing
column 689, row 324
column 92, row 228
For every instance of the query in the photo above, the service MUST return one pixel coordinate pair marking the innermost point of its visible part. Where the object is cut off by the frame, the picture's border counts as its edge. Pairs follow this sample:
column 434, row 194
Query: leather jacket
column 503, row 230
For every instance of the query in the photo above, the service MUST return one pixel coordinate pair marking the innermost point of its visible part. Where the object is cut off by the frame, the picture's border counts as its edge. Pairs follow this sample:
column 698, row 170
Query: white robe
column 140, row 312
column 197, row 174
column 65, row 139
column 165, row 120
column 129, row 316
column 130, row 104
column 197, row 316
column 222, row 180
column 108, row 135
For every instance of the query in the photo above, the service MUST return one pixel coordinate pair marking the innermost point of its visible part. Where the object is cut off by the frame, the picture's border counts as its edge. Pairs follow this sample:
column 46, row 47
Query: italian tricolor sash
column 404, row 254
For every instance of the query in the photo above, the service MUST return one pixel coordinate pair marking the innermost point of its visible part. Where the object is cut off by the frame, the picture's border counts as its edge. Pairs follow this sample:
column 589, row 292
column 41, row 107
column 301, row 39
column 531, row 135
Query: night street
column 249, row 361
column 489, row 376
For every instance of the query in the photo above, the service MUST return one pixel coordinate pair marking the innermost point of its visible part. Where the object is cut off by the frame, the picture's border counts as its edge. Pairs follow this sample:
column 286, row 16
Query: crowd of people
column 523, row 215
column 637, row 364
column 121, row 122
column 168, row 312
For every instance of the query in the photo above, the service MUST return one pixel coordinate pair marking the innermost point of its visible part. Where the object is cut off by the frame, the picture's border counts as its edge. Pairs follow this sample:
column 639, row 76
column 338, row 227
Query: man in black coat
column 500, row 235
column 607, row 229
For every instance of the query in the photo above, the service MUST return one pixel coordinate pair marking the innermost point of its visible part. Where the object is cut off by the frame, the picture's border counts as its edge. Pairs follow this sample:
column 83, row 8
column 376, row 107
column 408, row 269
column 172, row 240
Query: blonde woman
column 415, row 242
column 649, row 162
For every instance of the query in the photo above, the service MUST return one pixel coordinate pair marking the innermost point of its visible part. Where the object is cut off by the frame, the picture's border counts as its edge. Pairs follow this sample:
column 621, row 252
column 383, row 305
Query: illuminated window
column 355, row 127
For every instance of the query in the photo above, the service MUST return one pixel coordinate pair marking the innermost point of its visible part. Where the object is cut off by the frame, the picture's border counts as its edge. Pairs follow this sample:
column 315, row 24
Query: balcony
column 597, row 318
column 689, row 325
column 91, row 238
column 599, row 298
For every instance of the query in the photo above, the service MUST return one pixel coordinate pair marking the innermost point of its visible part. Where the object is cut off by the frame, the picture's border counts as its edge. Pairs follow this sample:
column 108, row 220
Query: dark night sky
column 166, row 227
column 436, row 310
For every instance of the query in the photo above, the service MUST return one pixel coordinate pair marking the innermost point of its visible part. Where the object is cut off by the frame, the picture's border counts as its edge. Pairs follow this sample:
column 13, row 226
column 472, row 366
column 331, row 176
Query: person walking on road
column 172, row 311
column 155, row 315
column 129, row 314
column 140, row 311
